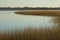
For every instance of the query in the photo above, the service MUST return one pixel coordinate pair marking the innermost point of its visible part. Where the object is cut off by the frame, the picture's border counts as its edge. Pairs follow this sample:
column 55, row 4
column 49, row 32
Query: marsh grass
column 32, row 34
column 40, row 13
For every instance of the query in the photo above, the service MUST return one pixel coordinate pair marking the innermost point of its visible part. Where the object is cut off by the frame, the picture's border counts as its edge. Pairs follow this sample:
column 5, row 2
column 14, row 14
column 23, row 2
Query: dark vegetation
column 29, row 8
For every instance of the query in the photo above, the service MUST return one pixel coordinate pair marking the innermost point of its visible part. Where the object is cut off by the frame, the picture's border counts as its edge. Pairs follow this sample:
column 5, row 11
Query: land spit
column 40, row 12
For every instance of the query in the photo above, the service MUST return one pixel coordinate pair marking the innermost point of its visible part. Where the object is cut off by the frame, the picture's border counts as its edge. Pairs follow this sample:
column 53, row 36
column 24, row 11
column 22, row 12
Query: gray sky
column 30, row 3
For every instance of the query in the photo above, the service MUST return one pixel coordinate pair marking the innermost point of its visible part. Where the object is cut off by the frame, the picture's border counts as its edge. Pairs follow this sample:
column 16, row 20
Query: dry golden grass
column 40, row 13
column 32, row 34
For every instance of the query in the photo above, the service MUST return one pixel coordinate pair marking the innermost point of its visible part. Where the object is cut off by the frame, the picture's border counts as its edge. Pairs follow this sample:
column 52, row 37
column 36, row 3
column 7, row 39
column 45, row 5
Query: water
column 11, row 21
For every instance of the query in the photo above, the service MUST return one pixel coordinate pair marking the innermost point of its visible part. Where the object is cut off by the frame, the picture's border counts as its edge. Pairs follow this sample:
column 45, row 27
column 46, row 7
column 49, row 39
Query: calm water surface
column 11, row 21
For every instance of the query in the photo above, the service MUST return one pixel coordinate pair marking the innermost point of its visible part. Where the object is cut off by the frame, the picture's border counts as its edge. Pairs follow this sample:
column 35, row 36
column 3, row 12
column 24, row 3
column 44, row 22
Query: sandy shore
column 40, row 13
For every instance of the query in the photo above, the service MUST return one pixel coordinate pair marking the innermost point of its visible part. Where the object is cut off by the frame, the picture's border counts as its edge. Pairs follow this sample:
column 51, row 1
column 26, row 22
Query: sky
column 30, row 3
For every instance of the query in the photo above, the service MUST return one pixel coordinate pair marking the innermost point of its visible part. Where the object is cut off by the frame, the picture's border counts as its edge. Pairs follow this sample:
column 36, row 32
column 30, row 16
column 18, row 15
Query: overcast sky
column 30, row 3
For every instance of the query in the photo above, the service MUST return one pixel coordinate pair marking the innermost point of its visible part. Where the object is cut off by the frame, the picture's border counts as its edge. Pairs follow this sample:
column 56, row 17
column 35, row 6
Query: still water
column 11, row 21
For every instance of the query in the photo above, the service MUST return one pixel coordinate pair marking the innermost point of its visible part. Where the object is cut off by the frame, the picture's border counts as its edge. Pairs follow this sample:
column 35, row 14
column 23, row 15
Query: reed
column 32, row 34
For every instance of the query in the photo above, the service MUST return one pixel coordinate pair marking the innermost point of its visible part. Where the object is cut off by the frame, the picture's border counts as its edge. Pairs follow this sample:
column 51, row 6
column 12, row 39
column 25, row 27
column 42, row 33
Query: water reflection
column 56, row 20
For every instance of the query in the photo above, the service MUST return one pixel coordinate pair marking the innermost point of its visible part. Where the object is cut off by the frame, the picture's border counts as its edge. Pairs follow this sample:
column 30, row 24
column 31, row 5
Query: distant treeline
column 27, row 8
